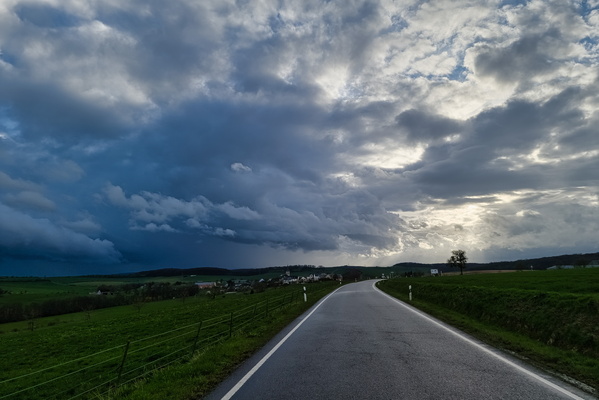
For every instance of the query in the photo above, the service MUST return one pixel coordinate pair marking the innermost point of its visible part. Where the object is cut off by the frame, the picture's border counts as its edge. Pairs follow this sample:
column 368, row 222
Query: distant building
column 593, row 264
column 561, row 267
column 286, row 279
column 205, row 285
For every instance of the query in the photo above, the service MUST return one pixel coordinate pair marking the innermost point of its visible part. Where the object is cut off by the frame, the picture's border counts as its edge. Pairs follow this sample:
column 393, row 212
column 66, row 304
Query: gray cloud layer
column 140, row 135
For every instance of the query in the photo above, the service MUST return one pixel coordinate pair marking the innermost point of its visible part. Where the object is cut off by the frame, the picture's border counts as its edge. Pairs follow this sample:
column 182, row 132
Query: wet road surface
column 359, row 343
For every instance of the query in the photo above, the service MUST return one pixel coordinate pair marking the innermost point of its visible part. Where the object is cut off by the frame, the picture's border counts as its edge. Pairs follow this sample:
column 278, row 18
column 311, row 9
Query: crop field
column 82, row 355
column 548, row 317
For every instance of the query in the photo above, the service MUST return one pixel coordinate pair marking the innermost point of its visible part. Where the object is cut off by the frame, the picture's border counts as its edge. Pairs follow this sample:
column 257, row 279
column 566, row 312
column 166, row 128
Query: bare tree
column 458, row 260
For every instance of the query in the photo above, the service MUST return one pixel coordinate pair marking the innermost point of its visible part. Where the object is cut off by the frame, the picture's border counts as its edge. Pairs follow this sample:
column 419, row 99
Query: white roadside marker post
column 305, row 296
column 410, row 287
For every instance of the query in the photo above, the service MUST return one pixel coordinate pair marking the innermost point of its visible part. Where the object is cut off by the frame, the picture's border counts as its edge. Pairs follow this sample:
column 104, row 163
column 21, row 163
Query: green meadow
column 29, row 290
column 181, row 348
column 550, row 318
column 117, row 352
column 25, row 290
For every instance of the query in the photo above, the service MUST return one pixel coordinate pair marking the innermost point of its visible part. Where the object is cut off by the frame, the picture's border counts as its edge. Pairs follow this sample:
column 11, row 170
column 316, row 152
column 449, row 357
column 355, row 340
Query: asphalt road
column 359, row 343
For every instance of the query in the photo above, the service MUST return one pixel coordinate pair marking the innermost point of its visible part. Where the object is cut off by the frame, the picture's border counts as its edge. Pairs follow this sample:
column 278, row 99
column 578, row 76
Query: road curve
column 359, row 343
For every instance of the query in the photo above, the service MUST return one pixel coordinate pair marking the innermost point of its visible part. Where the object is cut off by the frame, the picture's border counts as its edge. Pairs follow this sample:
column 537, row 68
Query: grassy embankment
column 61, row 339
column 550, row 318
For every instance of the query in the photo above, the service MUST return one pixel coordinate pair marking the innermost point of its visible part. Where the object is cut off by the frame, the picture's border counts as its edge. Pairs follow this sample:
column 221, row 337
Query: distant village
column 592, row 264
column 242, row 285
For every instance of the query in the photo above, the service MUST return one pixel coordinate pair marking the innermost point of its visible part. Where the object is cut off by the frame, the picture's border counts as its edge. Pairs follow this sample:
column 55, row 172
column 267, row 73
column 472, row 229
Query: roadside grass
column 198, row 377
column 61, row 339
column 522, row 313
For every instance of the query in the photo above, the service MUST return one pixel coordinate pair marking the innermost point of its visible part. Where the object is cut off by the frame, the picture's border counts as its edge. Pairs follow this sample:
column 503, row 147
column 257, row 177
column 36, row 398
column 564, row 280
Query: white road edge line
column 256, row 367
column 499, row 357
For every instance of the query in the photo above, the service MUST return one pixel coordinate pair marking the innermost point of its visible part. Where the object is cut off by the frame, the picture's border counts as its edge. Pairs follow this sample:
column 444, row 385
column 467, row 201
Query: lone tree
column 458, row 260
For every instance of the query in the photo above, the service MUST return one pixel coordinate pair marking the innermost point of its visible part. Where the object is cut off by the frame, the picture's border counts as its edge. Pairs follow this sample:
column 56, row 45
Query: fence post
column 266, row 314
column 123, row 363
column 231, row 325
column 195, row 342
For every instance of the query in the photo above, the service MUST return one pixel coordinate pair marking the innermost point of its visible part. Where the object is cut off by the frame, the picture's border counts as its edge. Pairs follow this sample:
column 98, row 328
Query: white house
column 593, row 264
column 205, row 285
column 562, row 267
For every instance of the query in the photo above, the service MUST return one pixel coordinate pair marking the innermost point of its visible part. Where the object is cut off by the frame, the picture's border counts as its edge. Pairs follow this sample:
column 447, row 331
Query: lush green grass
column 549, row 317
column 578, row 281
column 25, row 292
column 197, row 378
column 30, row 290
column 61, row 339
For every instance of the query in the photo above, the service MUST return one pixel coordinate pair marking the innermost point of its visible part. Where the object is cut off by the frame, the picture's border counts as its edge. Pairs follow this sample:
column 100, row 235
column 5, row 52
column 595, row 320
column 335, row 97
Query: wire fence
column 95, row 375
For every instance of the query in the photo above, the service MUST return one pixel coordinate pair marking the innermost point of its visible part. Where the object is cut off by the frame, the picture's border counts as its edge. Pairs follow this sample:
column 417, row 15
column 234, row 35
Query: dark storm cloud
column 156, row 51
column 211, row 133
column 47, row 110
column 171, row 44
column 582, row 129
column 485, row 160
column 205, row 139
column 519, row 124
column 292, row 217
column 579, row 139
column 24, row 236
column 527, row 57
column 469, row 172
column 31, row 200
column 6, row 182
column 424, row 127
column 44, row 15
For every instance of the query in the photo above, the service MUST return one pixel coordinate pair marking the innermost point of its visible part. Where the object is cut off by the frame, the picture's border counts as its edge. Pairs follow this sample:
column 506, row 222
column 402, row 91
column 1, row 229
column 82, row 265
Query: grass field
column 578, row 281
column 25, row 292
column 100, row 339
column 30, row 290
column 549, row 317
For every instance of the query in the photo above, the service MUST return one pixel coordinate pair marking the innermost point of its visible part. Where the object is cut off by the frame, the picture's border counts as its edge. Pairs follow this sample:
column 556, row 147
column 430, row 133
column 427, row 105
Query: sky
column 145, row 134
